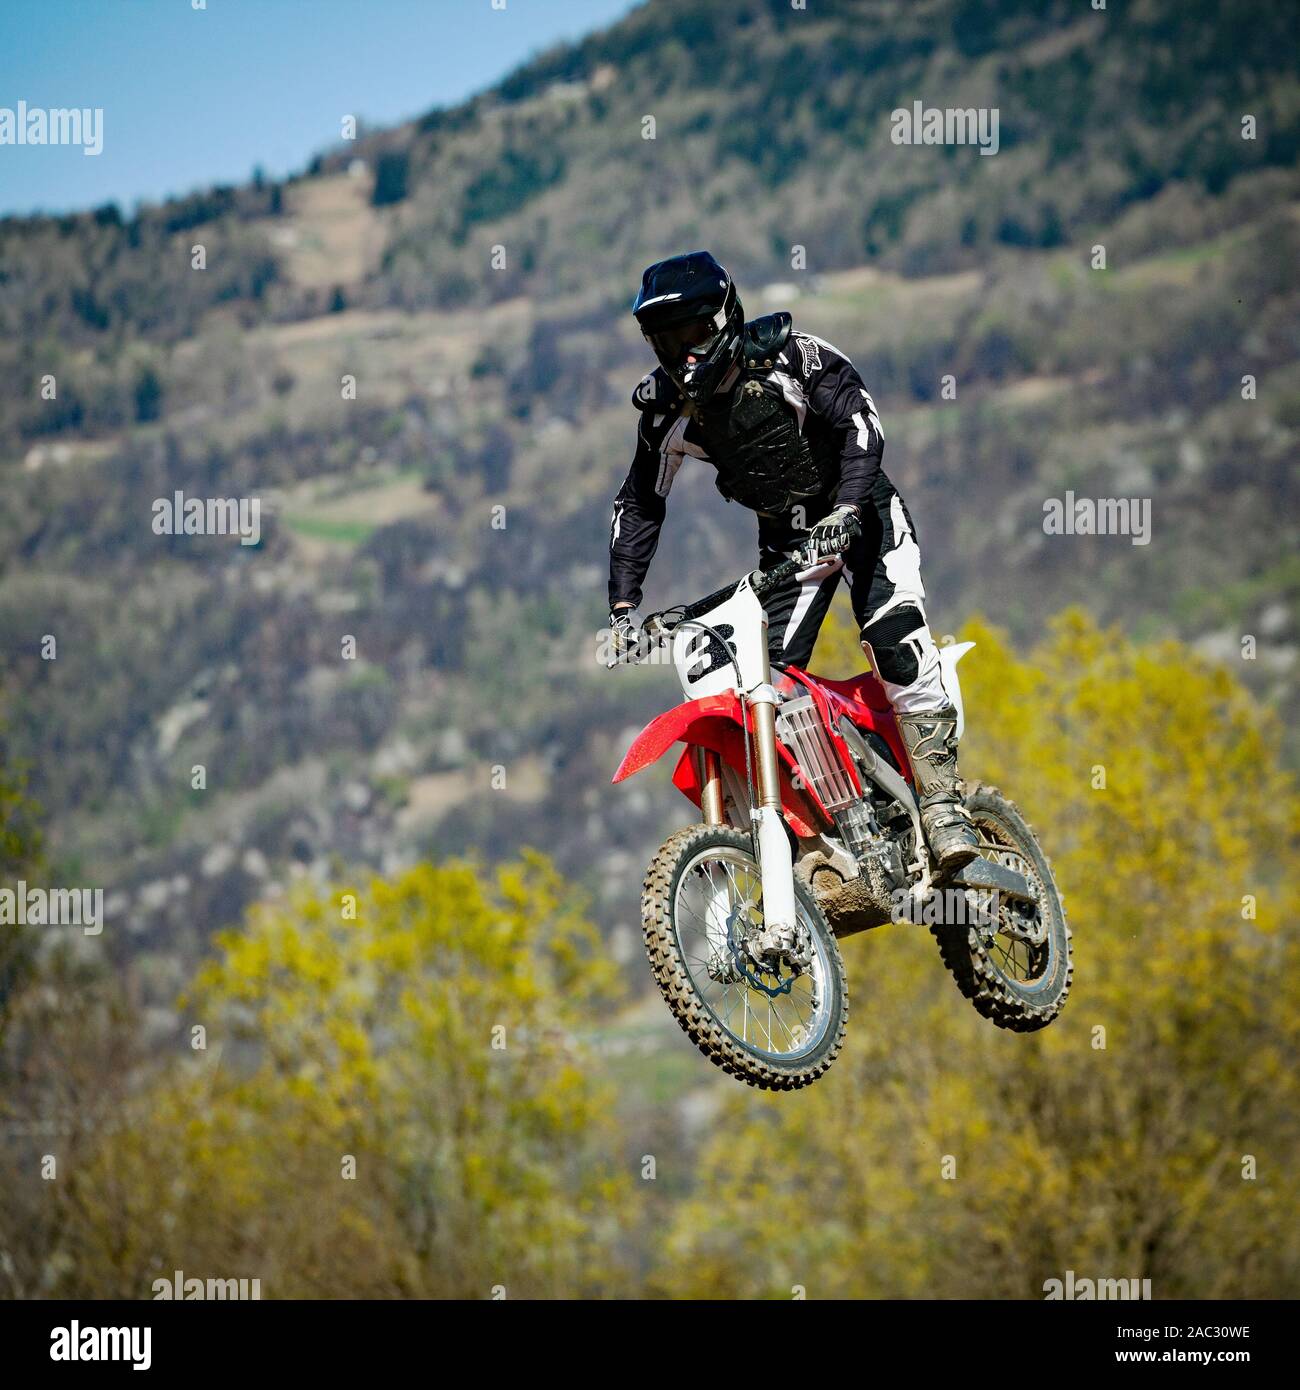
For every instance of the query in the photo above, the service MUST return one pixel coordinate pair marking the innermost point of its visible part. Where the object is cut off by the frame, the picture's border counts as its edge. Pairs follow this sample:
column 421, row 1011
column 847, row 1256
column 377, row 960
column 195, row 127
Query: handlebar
column 762, row 582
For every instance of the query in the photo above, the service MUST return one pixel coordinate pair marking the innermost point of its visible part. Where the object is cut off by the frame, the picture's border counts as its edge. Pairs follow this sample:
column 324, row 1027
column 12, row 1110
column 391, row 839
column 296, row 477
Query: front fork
column 711, row 804
column 775, row 863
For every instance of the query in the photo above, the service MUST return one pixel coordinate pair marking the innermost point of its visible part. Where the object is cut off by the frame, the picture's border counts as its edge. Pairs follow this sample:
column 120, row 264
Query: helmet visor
column 685, row 343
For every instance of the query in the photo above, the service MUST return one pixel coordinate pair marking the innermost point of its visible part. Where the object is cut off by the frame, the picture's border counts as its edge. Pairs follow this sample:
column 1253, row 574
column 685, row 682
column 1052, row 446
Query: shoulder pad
column 656, row 391
column 764, row 338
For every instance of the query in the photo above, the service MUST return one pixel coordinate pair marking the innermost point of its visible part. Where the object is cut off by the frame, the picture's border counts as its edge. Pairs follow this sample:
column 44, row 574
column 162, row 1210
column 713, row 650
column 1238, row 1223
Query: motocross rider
column 788, row 425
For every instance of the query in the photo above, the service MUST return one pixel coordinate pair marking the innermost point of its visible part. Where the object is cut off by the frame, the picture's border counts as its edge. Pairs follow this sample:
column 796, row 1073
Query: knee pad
column 894, row 641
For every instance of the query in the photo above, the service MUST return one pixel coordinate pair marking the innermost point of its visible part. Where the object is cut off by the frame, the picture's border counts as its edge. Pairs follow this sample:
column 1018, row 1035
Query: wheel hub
column 751, row 960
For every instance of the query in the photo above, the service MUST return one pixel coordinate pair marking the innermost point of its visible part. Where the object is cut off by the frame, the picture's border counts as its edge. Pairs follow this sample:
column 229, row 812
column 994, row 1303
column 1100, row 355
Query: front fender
column 714, row 722
column 683, row 723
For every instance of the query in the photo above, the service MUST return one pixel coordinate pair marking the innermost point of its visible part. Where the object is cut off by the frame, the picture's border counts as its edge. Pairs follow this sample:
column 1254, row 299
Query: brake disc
column 1030, row 928
column 742, row 958
column 1016, row 919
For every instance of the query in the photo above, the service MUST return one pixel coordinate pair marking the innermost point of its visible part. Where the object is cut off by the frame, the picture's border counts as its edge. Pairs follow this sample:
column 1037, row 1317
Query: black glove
column 835, row 532
column 626, row 634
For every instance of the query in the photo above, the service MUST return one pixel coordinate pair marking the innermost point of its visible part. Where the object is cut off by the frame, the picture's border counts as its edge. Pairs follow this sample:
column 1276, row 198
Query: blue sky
column 192, row 98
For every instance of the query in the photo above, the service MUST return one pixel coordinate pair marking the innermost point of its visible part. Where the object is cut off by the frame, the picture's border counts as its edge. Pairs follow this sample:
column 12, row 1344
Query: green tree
column 391, row 169
column 426, row 1045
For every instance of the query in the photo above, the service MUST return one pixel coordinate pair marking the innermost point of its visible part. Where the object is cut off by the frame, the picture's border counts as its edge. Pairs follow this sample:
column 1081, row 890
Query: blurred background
column 395, row 918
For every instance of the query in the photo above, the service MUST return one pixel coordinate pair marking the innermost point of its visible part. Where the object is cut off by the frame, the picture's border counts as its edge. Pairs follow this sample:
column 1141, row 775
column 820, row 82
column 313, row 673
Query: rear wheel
column 779, row 1028
column 1015, row 969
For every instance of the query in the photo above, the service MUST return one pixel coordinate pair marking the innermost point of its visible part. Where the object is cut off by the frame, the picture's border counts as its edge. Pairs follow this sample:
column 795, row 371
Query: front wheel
column 779, row 1029
column 1015, row 969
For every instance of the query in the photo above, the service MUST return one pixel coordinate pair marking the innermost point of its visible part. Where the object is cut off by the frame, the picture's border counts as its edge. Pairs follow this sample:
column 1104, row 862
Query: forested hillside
column 470, row 274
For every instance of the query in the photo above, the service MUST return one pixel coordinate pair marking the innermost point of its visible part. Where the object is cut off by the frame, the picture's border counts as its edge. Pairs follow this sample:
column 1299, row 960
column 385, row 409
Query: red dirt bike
column 811, row 831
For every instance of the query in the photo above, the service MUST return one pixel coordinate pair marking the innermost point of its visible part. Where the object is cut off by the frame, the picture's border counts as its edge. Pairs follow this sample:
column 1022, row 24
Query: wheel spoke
column 718, row 902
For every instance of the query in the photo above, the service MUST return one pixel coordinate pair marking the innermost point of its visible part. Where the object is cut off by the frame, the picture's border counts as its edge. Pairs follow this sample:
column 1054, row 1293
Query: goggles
column 693, row 339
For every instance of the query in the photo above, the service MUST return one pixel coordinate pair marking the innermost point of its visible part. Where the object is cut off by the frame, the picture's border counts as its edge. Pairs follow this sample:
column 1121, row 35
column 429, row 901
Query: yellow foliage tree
column 1150, row 1131
column 392, row 1101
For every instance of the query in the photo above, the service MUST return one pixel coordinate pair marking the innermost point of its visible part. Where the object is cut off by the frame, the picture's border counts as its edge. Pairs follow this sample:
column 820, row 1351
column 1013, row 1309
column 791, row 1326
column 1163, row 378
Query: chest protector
column 752, row 435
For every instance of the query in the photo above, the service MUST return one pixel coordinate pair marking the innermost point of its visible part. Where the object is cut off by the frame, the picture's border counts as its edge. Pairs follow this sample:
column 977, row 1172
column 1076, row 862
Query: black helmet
column 690, row 314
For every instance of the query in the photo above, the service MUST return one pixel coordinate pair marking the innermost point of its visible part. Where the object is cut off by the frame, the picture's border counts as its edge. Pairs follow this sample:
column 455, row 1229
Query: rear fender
column 949, row 656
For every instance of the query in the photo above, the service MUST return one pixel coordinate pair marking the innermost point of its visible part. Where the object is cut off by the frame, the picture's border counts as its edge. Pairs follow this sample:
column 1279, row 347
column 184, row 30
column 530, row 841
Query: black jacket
column 835, row 414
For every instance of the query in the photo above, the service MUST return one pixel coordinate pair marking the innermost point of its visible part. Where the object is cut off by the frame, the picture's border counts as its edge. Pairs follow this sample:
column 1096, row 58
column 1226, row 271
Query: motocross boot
column 931, row 743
